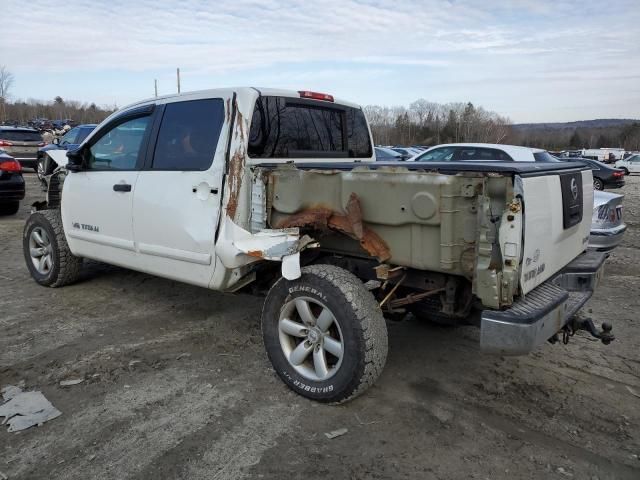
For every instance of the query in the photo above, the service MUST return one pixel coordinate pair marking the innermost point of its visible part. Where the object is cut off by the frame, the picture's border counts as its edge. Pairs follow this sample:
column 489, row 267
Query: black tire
column 626, row 171
column 10, row 208
column 598, row 184
column 65, row 266
column 361, row 326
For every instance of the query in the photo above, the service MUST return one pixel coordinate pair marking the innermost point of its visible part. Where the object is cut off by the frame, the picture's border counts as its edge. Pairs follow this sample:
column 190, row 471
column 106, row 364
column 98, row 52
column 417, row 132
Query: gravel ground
column 177, row 385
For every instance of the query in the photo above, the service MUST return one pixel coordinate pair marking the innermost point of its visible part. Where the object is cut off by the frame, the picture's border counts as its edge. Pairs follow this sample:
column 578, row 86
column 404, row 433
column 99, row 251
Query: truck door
column 97, row 201
column 177, row 200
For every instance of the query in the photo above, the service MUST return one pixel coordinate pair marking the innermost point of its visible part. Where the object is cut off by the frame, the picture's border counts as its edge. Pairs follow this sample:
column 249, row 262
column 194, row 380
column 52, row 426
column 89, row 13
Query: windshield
column 70, row 136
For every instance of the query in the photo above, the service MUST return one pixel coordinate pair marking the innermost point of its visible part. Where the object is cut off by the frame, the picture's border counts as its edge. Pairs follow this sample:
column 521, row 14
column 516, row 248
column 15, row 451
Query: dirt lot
column 177, row 385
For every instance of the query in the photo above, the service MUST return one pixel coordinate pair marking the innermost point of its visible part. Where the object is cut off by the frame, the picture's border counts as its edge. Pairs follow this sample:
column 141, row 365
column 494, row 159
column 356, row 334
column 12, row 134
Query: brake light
column 618, row 174
column 10, row 166
column 315, row 95
column 4, row 143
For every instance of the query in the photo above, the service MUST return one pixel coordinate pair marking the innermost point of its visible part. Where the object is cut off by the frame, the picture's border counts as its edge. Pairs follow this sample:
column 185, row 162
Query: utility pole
column 178, row 75
column 155, row 85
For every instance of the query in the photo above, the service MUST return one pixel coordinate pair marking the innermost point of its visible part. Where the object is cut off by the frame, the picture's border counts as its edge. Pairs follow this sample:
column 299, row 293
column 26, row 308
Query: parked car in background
column 604, row 176
column 387, row 155
column 630, row 164
column 69, row 141
column 407, row 152
column 483, row 152
column 607, row 227
column 22, row 144
column 11, row 184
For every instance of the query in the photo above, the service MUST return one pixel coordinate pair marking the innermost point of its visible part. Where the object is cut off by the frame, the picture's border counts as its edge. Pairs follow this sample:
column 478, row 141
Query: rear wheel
column 9, row 208
column 324, row 334
column 46, row 251
column 598, row 184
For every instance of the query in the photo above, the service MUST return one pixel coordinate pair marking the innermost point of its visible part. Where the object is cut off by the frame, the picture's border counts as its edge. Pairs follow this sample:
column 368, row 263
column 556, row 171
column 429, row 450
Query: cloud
column 367, row 49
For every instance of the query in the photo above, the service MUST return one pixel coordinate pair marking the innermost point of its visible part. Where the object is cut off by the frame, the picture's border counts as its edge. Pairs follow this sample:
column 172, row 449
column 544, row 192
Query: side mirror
column 76, row 163
column 56, row 141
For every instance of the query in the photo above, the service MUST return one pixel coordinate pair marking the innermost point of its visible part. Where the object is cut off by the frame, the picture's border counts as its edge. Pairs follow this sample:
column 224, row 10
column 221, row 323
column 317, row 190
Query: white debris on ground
column 336, row 433
column 22, row 410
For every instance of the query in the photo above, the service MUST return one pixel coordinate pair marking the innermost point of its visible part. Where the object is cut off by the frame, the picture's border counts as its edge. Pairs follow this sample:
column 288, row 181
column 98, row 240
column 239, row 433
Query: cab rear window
column 20, row 135
column 299, row 128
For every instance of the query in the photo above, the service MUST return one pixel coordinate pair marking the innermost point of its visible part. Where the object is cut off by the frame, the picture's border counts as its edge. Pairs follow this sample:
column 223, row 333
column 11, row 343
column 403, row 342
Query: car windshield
column 70, row 136
column 544, row 157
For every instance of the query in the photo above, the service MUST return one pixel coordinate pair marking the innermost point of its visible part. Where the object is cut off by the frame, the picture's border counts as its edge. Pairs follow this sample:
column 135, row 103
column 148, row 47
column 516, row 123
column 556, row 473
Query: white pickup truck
column 279, row 190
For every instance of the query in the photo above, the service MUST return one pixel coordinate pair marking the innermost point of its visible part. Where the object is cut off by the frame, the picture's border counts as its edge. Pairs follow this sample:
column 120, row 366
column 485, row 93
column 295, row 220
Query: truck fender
column 238, row 247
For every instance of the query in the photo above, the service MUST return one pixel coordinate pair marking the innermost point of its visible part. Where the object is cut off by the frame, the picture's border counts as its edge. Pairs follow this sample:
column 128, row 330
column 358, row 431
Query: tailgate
column 557, row 220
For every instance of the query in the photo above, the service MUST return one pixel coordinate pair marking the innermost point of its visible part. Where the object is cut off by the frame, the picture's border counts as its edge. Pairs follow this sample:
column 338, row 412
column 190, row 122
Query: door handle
column 122, row 187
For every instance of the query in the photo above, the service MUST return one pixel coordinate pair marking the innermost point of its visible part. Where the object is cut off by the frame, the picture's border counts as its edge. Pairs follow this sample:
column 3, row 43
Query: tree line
column 429, row 123
column 23, row 111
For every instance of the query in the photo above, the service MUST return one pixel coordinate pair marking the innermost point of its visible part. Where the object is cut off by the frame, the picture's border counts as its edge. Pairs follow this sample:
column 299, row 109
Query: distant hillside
column 597, row 123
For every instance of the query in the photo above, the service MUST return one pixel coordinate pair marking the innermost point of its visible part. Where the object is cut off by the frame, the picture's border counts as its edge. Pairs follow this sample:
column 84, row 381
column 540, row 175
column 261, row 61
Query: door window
column 188, row 135
column 120, row 147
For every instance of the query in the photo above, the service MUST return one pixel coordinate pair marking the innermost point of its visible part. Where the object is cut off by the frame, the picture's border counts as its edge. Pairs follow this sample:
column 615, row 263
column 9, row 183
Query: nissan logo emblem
column 574, row 188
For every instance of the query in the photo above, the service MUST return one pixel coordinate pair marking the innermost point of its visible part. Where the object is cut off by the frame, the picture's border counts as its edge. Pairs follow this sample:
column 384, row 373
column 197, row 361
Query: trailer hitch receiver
column 587, row 324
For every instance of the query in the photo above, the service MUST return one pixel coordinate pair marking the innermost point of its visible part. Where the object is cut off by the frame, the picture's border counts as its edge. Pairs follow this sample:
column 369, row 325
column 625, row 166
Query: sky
column 529, row 60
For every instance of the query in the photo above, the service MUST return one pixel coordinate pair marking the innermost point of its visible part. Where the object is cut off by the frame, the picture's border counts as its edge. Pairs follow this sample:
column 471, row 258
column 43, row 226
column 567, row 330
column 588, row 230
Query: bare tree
column 6, row 82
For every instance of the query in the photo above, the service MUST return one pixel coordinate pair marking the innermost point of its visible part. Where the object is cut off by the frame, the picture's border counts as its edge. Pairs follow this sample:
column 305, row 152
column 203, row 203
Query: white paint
column 546, row 241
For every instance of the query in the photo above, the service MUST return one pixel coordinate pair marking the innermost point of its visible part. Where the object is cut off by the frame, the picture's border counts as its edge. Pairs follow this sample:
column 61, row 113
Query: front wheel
column 46, row 251
column 325, row 334
column 626, row 171
column 597, row 184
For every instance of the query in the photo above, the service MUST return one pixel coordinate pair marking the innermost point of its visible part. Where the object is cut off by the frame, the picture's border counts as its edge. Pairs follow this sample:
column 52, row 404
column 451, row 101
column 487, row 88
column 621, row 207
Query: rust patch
column 317, row 218
column 240, row 124
column 256, row 253
column 228, row 110
column 235, row 182
column 350, row 224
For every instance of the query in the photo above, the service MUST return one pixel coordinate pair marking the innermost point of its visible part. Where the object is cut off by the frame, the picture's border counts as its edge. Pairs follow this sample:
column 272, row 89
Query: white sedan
column 452, row 152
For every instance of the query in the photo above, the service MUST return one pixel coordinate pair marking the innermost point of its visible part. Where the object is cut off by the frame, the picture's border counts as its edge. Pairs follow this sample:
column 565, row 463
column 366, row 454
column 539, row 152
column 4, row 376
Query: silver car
column 607, row 227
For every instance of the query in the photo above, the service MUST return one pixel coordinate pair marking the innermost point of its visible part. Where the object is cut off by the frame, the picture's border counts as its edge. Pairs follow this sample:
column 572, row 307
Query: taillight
column 618, row 174
column 10, row 166
column 4, row 143
column 315, row 95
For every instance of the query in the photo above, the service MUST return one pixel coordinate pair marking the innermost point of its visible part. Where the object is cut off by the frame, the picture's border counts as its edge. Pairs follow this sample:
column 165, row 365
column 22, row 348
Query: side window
column 443, row 154
column 484, row 154
column 119, row 148
column 188, row 135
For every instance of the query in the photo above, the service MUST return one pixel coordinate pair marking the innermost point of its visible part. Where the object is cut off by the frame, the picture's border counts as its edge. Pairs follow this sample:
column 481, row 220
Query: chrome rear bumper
column 540, row 314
